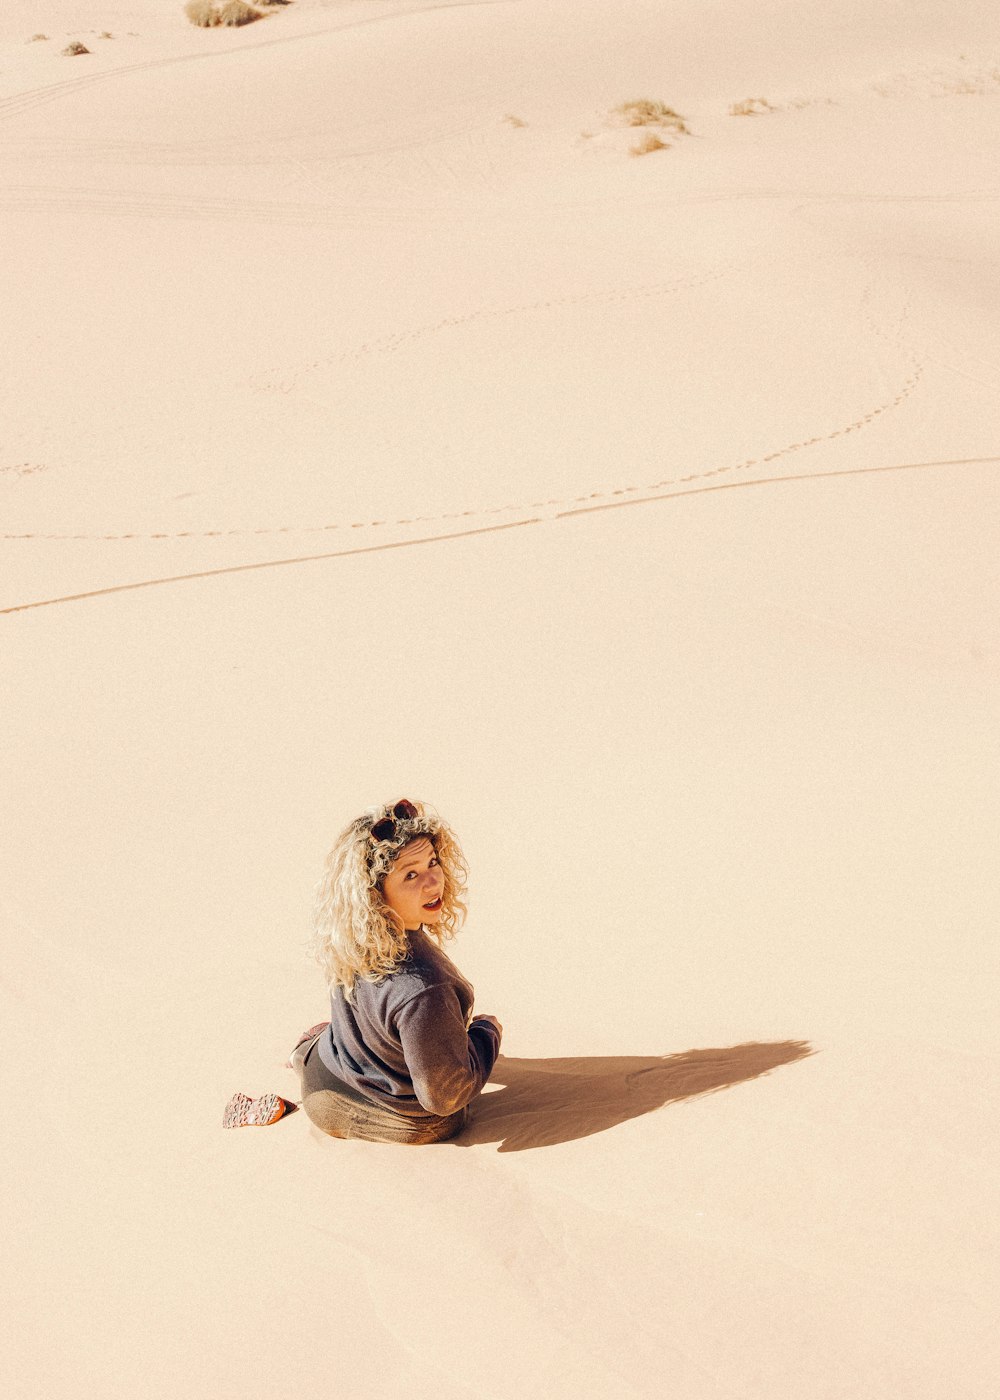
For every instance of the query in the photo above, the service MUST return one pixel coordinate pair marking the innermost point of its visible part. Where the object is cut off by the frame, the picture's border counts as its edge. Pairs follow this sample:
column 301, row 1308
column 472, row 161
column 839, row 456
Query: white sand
column 722, row 748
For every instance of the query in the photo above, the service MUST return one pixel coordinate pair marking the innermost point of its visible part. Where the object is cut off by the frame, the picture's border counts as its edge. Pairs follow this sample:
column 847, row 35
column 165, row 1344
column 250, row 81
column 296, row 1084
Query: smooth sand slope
column 375, row 423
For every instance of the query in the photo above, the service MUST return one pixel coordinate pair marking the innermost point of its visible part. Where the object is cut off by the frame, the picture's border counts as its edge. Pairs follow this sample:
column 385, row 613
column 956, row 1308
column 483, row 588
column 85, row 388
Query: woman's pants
column 342, row 1112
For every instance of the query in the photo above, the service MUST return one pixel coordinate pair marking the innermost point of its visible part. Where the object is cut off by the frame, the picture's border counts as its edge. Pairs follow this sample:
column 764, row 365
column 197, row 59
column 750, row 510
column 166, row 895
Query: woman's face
column 414, row 886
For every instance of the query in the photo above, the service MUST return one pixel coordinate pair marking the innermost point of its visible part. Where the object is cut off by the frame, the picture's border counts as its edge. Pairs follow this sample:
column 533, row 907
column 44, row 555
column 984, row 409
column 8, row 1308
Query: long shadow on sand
column 544, row 1102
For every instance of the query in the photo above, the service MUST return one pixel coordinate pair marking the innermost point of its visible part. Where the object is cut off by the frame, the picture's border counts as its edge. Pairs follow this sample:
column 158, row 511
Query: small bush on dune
column 751, row 107
column 35, row 38
column 646, row 144
column 71, row 50
column 208, row 14
column 643, row 112
column 234, row 13
column 662, row 124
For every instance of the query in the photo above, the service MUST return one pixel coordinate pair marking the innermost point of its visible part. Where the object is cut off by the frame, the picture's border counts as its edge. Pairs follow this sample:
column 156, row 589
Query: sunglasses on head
column 385, row 828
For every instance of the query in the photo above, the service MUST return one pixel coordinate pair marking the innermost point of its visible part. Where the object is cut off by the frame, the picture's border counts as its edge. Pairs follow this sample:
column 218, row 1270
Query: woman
column 402, row 1056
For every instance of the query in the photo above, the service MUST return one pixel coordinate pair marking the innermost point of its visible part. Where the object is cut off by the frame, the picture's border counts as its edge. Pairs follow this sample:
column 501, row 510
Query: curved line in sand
column 19, row 102
column 490, row 529
column 648, row 490
column 893, row 338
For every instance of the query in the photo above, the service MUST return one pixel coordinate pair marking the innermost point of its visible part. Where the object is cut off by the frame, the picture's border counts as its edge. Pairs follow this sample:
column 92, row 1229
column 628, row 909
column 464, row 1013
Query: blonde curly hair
column 355, row 934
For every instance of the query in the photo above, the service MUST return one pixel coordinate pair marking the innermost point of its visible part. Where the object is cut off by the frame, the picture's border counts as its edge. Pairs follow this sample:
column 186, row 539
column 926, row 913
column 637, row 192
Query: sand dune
column 375, row 422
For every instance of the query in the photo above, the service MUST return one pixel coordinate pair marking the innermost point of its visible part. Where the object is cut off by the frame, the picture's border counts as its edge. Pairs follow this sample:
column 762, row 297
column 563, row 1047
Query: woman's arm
column 448, row 1064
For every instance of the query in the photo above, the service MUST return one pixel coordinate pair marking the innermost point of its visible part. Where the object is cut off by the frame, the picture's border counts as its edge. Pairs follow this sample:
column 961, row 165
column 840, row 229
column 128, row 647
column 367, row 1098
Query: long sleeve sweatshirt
column 411, row 1042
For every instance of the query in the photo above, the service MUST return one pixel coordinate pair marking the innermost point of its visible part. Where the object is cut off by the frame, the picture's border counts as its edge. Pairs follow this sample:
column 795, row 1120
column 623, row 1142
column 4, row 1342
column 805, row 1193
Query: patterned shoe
column 242, row 1112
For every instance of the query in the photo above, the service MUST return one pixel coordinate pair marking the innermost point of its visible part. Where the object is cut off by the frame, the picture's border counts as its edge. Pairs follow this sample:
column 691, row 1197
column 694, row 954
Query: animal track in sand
column 892, row 334
column 592, row 500
column 383, row 546
column 957, row 78
column 890, row 331
column 279, row 381
column 20, row 469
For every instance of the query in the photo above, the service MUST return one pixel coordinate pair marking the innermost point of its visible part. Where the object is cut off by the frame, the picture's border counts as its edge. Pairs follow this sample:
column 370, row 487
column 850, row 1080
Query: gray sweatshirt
column 410, row 1042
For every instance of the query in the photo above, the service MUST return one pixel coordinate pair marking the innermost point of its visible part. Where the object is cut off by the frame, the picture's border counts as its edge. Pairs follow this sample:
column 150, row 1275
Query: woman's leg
column 306, row 1036
column 340, row 1111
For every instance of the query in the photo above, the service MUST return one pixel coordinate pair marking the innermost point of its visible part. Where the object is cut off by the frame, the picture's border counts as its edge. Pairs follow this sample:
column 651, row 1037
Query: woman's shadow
column 544, row 1102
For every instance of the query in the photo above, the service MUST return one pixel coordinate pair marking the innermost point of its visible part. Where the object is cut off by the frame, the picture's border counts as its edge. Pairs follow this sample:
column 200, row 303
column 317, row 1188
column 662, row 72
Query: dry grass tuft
column 648, row 143
column 643, row 112
column 35, row 38
column 208, row 14
column 514, row 121
column 751, row 107
column 71, row 50
column 234, row 13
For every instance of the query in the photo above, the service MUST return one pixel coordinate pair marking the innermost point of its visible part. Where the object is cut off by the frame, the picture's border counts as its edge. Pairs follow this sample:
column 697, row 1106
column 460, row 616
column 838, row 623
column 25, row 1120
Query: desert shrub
column 36, row 37
column 71, row 50
column 751, row 107
column 643, row 112
column 234, row 13
column 648, row 142
column 207, row 14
